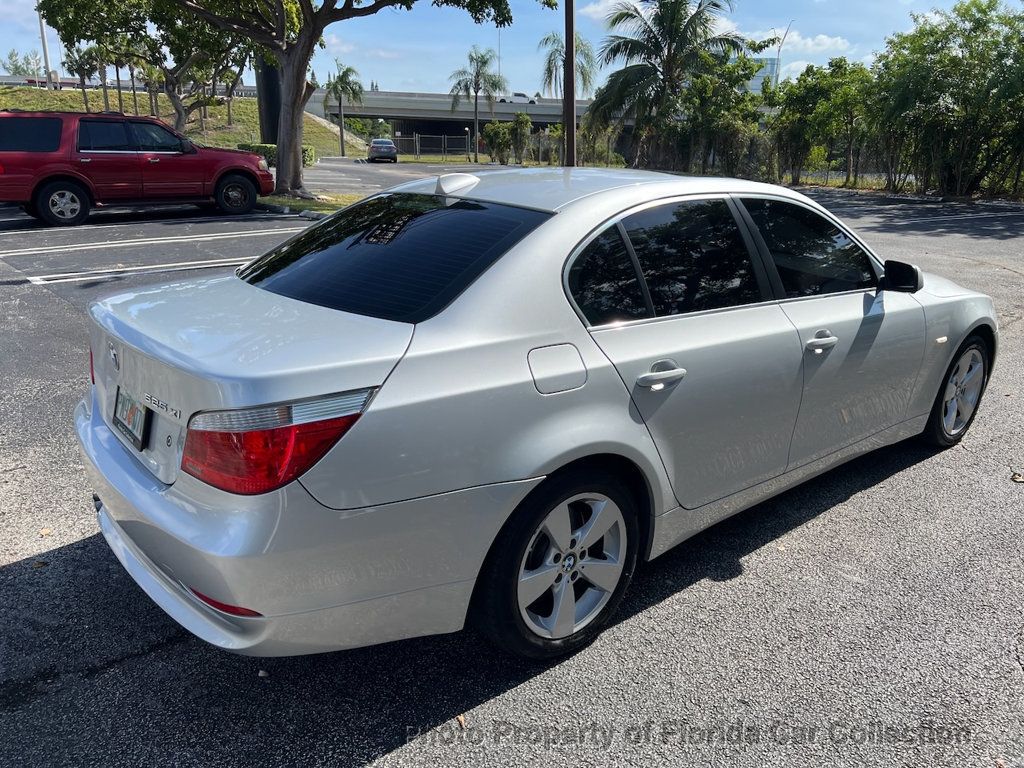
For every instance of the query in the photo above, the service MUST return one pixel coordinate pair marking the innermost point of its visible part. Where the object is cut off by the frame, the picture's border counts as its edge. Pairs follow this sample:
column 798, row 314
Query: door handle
column 822, row 340
column 85, row 159
column 662, row 373
column 154, row 159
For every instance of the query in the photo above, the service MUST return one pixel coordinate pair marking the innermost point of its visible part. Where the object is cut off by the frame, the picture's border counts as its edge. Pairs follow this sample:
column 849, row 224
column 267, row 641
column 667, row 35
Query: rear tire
column 236, row 195
column 31, row 210
column 560, row 567
column 62, row 203
column 959, row 395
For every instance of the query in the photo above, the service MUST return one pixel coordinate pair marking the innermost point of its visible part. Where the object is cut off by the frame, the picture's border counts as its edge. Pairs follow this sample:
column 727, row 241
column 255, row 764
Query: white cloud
column 598, row 9
column 793, row 69
column 335, row 45
column 799, row 43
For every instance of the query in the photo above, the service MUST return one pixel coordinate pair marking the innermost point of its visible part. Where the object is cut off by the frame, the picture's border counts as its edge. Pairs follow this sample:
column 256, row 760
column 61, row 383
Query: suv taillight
column 258, row 450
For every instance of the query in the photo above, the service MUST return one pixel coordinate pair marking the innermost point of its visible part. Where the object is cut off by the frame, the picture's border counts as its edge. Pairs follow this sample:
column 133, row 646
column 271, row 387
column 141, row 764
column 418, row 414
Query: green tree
column 794, row 126
column 949, row 104
column 22, row 65
column 344, row 85
column 661, row 44
column 553, row 77
column 498, row 137
column 470, row 82
column 290, row 32
column 519, row 134
column 81, row 62
column 841, row 115
column 191, row 55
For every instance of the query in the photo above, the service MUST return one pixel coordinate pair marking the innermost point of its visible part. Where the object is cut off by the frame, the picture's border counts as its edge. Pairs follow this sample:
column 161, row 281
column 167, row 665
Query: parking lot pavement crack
column 18, row 694
column 1020, row 649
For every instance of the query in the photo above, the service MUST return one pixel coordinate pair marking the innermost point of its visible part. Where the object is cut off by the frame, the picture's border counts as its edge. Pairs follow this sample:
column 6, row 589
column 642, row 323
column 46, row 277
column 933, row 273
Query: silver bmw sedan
column 482, row 399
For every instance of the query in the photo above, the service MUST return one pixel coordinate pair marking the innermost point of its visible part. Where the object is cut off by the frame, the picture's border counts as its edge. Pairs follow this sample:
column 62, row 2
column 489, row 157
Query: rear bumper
column 323, row 579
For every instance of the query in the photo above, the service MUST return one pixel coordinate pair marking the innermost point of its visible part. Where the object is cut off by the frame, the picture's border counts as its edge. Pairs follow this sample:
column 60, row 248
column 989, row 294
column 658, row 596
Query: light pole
column 468, row 158
column 569, row 87
column 46, row 48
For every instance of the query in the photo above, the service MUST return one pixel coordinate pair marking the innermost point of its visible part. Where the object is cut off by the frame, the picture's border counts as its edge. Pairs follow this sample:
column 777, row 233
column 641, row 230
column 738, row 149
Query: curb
column 272, row 208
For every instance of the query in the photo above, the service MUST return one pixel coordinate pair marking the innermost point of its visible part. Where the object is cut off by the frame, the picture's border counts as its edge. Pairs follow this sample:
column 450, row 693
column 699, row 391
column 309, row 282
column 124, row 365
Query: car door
column 862, row 347
column 105, row 154
column 167, row 169
column 681, row 306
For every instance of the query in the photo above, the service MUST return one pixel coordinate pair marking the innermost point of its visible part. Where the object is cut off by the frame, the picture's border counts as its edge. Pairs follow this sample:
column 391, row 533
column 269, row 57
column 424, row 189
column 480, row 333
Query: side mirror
column 187, row 147
column 902, row 277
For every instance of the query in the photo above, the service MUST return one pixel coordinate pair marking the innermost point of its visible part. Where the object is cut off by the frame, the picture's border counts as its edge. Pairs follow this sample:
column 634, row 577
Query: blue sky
column 417, row 50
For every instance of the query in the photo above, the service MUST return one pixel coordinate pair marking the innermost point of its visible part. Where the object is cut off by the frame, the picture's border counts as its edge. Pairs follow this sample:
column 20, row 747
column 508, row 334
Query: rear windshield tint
column 396, row 256
column 30, row 134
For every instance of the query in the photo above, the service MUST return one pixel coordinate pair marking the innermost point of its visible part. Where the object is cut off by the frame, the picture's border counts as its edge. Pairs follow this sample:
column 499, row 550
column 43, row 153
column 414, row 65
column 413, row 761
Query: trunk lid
column 220, row 343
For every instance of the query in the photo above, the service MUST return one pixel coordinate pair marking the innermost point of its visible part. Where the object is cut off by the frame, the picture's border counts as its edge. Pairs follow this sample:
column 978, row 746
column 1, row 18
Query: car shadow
column 86, row 634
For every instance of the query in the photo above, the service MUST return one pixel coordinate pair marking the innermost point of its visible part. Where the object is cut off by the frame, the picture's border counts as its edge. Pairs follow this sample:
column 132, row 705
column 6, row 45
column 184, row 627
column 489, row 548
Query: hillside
column 322, row 136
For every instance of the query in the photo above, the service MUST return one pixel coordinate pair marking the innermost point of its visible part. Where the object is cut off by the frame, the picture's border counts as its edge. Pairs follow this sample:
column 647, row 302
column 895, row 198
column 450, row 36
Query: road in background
column 873, row 616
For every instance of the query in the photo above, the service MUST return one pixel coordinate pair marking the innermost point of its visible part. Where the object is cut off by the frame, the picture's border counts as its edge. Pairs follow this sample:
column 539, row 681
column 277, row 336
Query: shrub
column 269, row 152
column 498, row 137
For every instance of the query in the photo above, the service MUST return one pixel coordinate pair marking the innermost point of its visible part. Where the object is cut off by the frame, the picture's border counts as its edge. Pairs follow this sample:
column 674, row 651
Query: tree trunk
column 231, row 119
column 120, row 98
column 476, row 127
column 295, row 92
column 103, row 83
column 135, row 93
column 849, row 162
column 180, row 114
column 85, row 93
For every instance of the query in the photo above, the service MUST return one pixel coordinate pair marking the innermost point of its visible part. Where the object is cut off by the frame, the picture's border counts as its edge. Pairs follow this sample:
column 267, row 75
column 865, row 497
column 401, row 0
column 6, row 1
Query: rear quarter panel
column 461, row 409
column 23, row 172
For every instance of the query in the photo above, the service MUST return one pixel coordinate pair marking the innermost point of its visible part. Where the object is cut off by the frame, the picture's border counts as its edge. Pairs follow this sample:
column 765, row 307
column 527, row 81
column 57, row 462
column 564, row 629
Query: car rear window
column 30, row 134
column 396, row 256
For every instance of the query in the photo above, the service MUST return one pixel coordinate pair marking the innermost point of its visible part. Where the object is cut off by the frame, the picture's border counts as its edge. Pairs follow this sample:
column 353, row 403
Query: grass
column 322, row 203
column 216, row 133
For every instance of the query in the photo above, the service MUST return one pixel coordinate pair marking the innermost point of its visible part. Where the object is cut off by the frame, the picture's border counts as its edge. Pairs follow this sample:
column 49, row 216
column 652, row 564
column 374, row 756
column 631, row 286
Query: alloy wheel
column 235, row 196
column 64, row 204
column 963, row 390
column 572, row 565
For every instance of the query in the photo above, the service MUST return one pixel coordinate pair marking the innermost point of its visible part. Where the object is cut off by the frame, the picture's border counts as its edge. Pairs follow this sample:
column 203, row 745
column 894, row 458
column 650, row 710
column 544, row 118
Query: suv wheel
column 559, row 570
column 61, row 203
column 236, row 195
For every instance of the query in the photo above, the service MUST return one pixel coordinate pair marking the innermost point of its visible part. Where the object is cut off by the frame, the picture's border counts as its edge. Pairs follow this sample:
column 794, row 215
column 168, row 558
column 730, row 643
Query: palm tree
column 473, row 80
column 344, row 85
column 81, row 62
column 660, row 42
column 554, row 65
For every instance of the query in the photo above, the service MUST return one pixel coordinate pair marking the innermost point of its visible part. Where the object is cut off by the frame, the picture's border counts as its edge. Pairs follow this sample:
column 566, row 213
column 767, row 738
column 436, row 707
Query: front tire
column 236, row 195
column 559, row 569
column 959, row 396
column 62, row 203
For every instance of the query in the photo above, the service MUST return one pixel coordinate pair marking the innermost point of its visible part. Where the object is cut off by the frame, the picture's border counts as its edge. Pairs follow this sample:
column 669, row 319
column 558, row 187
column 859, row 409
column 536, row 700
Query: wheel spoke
column 972, row 372
column 949, row 416
column 604, row 516
column 533, row 584
column 558, row 528
column 603, row 574
column 563, row 616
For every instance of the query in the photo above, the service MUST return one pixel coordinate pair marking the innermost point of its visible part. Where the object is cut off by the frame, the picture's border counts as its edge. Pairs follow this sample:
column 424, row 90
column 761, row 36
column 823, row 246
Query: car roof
column 552, row 189
column 14, row 112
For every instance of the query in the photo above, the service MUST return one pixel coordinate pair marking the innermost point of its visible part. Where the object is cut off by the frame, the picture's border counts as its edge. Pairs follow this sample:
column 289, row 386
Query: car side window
column 153, row 138
column 693, row 257
column 812, row 255
column 103, row 136
column 604, row 283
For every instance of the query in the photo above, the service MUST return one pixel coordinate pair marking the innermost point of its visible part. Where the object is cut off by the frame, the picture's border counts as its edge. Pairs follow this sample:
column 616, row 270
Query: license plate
column 132, row 418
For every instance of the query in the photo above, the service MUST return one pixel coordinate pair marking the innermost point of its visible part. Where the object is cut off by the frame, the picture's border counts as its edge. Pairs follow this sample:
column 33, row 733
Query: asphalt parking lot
column 874, row 616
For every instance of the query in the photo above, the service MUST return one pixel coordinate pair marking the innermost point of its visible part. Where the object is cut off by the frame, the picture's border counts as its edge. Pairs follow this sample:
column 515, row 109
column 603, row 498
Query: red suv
column 58, row 165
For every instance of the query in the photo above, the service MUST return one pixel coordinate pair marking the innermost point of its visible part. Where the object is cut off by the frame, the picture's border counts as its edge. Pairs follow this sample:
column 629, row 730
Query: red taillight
column 234, row 610
column 92, row 371
column 261, row 449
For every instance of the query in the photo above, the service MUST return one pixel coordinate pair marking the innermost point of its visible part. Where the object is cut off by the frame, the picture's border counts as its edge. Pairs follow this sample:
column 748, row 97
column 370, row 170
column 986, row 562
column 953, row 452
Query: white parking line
column 104, row 245
column 43, row 230
column 97, row 274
